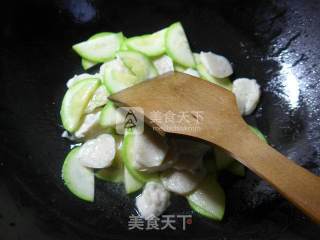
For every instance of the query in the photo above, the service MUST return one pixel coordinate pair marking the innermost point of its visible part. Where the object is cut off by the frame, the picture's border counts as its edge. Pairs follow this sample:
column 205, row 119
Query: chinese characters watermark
column 159, row 223
column 175, row 121
column 127, row 118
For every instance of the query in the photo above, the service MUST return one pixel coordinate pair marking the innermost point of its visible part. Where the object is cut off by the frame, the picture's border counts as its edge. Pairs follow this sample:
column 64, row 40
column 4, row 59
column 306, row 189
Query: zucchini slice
column 100, row 49
column 110, row 115
column 99, row 98
column 78, row 179
column 114, row 173
column 86, row 64
column 138, row 64
column 163, row 64
column 130, row 183
column 179, row 68
column 192, row 72
column 209, row 199
column 258, row 133
column 130, row 151
column 152, row 45
column 222, row 82
column 177, row 46
column 116, row 76
column 75, row 102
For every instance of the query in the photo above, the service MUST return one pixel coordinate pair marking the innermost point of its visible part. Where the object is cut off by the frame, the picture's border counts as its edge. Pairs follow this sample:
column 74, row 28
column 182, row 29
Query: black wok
column 276, row 42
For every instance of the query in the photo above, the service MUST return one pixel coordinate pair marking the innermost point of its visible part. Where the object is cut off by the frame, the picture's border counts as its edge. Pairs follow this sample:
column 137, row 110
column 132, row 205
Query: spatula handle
column 295, row 183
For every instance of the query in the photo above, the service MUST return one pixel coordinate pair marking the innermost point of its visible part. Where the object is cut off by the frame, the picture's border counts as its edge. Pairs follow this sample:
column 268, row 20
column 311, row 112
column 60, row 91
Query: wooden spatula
column 209, row 112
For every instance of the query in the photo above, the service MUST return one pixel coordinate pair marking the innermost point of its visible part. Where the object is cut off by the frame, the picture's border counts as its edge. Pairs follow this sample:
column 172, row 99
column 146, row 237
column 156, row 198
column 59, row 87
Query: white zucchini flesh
column 111, row 116
column 177, row 46
column 78, row 179
column 209, row 199
column 100, row 49
column 247, row 93
column 116, row 76
column 130, row 183
column 89, row 124
column 218, row 66
column 77, row 78
column 138, row 64
column 192, row 72
column 164, row 64
column 99, row 98
column 153, row 200
column 151, row 45
column 98, row 152
column 180, row 182
column 75, row 102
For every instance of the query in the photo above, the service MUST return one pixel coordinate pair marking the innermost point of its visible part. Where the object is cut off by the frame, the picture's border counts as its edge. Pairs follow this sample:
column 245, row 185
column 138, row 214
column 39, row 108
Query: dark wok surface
column 276, row 42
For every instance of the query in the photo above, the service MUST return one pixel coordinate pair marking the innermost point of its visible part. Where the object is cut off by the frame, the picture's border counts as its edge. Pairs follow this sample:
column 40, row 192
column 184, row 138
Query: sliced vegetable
column 78, row 78
column 86, row 64
column 78, row 179
column 114, row 173
column 138, row 64
column 75, row 102
column 225, row 83
column 177, row 46
column 196, row 57
column 179, row 68
column 116, row 76
column 130, row 183
column 258, row 133
column 209, row 199
column 180, row 182
column 99, row 98
column 99, row 49
column 151, row 45
column 110, row 116
column 192, row 72
column 247, row 93
column 217, row 66
column 164, row 64
column 89, row 126
column 98, row 152
column 137, row 150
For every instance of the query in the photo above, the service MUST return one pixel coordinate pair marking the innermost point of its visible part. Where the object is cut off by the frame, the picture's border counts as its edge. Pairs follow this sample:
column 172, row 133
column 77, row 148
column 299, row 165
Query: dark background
column 276, row 42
